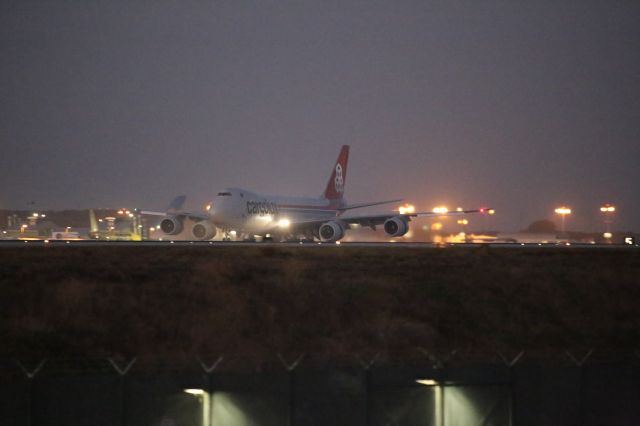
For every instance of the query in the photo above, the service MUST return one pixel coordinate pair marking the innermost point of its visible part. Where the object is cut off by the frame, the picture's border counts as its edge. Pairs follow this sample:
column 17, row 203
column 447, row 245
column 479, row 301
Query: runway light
column 563, row 210
column 427, row 382
column 284, row 223
column 608, row 208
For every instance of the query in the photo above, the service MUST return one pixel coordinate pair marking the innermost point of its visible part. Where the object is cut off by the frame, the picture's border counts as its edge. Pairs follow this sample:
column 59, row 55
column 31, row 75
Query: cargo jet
column 326, row 218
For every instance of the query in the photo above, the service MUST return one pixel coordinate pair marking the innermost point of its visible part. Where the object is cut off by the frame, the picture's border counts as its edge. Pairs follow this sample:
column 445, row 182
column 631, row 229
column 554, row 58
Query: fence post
column 122, row 372
column 367, row 387
column 580, row 363
column 511, row 363
column 209, row 369
column 439, row 364
column 31, row 374
column 290, row 367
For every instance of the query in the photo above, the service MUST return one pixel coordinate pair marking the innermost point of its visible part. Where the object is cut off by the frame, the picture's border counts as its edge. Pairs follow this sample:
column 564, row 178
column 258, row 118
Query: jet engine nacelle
column 203, row 230
column 171, row 225
column 396, row 226
column 331, row 231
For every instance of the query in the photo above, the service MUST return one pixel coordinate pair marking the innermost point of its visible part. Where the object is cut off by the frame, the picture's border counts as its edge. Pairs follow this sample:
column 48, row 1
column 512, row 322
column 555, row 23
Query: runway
column 368, row 244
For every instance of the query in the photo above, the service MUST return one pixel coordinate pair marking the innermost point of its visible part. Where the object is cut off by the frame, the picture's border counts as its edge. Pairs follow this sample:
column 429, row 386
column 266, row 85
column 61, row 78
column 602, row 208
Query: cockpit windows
column 224, row 194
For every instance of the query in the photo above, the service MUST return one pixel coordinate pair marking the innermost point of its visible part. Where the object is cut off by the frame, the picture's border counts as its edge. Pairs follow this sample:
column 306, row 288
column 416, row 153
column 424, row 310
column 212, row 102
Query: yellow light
column 120, row 212
column 152, row 229
column 607, row 235
column 436, row 226
column 459, row 209
column 463, row 222
column 209, row 206
column 24, row 226
column 284, row 223
column 196, row 392
column 440, row 210
column 427, row 382
column 563, row 210
column 608, row 208
column 407, row 209
column 492, row 211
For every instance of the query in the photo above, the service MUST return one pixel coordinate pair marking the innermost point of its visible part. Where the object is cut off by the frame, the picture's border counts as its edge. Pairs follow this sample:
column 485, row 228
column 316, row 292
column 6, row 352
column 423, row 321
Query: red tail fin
column 335, row 186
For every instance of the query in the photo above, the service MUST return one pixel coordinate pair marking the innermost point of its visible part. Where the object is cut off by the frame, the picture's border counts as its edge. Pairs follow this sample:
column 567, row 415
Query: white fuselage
column 247, row 212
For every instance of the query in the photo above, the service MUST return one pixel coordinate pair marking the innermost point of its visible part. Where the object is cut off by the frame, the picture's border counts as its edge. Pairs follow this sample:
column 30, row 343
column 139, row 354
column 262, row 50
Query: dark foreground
column 270, row 336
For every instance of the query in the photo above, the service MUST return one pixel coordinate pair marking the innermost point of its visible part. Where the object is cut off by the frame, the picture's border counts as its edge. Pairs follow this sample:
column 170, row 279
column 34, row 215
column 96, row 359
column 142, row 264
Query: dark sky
column 520, row 105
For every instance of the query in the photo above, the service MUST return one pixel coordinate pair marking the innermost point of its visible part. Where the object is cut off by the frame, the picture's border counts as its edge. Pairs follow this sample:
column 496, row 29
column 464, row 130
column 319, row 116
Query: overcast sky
column 521, row 105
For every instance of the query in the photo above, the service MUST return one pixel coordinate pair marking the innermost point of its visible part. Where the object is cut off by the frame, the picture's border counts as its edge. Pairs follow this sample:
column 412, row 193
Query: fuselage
column 250, row 212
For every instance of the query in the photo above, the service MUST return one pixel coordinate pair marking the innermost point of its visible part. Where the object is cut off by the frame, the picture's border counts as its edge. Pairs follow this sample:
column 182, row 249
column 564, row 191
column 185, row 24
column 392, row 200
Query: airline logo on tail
column 335, row 186
column 339, row 180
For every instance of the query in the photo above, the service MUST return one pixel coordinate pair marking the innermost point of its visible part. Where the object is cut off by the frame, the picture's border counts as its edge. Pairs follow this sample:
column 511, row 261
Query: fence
column 110, row 393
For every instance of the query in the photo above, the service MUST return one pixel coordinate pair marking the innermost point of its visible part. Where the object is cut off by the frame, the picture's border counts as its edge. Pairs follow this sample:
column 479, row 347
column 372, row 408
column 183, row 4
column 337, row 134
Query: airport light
column 607, row 235
column 196, row 392
column 440, row 210
column 427, row 382
column 463, row 222
column 607, row 212
column 563, row 212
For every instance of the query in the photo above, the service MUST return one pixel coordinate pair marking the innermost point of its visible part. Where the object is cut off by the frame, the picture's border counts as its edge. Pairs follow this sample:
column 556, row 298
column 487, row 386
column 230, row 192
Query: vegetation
column 331, row 304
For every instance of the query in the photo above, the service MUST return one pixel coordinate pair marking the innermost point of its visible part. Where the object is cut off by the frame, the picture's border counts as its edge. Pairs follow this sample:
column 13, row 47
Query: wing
column 373, row 220
column 177, row 213
column 174, row 209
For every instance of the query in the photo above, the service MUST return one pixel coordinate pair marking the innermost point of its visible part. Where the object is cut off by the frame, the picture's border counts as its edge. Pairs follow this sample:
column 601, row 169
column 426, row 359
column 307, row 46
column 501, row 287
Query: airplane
column 325, row 219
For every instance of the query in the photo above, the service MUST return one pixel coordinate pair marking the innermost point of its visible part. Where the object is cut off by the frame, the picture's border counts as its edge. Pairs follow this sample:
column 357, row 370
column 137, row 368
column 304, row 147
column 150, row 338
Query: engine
column 171, row 225
column 331, row 231
column 396, row 226
column 203, row 230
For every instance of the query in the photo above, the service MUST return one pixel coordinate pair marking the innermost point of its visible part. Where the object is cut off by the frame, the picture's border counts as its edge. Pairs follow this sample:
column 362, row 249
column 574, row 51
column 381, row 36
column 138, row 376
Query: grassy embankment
column 331, row 304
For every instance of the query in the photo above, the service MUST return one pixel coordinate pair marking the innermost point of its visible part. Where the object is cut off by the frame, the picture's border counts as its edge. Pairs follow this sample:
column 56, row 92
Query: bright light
column 196, row 392
column 563, row 210
column 492, row 211
column 608, row 208
column 427, row 382
column 436, row 226
column 337, row 243
column 234, row 233
column 607, row 235
column 284, row 223
column 152, row 229
column 407, row 209
column 459, row 209
column 209, row 206
column 440, row 210
column 463, row 222
column 24, row 226
column 120, row 211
